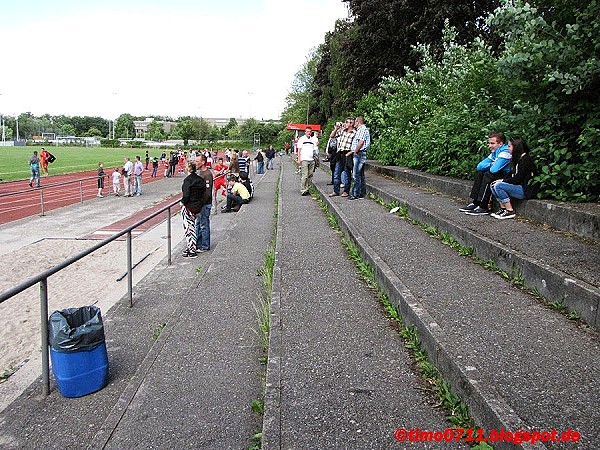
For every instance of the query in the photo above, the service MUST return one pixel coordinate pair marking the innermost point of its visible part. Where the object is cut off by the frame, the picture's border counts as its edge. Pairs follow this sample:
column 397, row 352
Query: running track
column 24, row 201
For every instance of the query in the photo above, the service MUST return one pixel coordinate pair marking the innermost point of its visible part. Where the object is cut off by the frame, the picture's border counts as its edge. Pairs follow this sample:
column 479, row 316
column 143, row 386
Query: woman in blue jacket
column 519, row 184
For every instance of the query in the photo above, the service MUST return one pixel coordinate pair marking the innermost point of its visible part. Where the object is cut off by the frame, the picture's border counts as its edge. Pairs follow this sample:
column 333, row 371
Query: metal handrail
column 51, row 185
column 46, row 186
column 42, row 279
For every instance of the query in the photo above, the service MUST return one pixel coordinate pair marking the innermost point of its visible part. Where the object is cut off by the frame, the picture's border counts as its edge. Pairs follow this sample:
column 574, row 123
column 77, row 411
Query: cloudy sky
column 224, row 58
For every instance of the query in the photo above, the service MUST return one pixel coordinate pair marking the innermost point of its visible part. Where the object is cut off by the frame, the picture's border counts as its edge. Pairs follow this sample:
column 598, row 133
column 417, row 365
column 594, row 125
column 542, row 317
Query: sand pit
column 90, row 281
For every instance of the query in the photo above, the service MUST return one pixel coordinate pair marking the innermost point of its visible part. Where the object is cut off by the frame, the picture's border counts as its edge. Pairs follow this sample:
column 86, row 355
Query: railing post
column 129, row 270
column 44, row 335
column 81, row 191
column 42, row 201
column 169, row 236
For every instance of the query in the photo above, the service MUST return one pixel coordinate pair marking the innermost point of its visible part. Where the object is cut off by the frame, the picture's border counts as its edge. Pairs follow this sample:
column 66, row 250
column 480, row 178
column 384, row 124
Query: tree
column 299, row 102
column 186, row 130
column 67, row 130
column 8, row 132
column 379, row 41
column 155, row 131
column 203, row 129
column 94, row 132
column 124, row 127
column 231, row 124
column 214, row 134
column 27, row 125
column 550, row 57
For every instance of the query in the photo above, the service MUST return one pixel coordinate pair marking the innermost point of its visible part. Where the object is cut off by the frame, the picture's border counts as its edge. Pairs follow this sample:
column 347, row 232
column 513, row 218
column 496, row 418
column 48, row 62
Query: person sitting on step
column 494, row 167
column 237, row 195
column 519, row 185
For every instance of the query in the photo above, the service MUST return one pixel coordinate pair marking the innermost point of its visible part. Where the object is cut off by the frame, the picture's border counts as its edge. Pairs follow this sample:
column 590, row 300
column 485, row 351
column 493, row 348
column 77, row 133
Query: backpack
column 332, row 146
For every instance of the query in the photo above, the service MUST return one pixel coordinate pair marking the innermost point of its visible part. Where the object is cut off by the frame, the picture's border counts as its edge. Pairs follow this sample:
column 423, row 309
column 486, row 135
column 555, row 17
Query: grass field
column 14, row 161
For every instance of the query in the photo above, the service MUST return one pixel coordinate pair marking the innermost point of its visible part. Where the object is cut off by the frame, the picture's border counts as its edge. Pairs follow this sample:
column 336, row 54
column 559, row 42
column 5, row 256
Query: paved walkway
column 339, row 376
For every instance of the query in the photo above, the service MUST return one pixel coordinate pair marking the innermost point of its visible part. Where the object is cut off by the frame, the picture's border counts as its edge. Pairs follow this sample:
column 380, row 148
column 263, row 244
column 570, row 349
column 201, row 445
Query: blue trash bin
column 78, row 350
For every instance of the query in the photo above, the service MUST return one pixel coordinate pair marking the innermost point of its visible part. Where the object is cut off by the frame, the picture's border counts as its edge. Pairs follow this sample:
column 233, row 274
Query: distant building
column 141, row 126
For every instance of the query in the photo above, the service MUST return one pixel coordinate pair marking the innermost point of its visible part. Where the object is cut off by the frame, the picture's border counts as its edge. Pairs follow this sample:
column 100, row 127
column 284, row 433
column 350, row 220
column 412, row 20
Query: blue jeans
column 358, row 175
column 35, row 175
column 203, row 227
column 261, row 167
column 270, row 163
column 137, row 184
column 503, row 191
column 338, row 174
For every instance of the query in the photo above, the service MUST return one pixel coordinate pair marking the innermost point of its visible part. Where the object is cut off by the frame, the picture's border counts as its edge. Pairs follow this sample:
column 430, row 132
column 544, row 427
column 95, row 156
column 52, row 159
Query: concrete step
column 560, row 266
column 582, row 219
column 517, row 364
column 338, row 376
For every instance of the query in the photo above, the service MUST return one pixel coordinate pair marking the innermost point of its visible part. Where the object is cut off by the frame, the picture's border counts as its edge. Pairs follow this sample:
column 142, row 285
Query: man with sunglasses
column 341, row 173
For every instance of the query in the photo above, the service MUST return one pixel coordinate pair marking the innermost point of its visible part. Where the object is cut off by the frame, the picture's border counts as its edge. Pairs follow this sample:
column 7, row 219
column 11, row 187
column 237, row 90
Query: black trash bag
column 76, row 329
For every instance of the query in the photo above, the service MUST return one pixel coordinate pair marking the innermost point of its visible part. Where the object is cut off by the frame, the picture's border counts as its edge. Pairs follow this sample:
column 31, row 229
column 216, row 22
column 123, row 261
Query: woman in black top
column 519, row 184
column 192, row 200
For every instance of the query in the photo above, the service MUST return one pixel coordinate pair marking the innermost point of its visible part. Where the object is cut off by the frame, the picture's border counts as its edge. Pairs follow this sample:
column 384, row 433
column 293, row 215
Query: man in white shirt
column 127, row 172
column 307, row 150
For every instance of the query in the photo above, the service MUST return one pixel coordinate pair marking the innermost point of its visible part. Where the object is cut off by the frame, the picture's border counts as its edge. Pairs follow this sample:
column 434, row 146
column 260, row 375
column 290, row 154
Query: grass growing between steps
column 515, row 277
column 262, row 308
column 436, row 387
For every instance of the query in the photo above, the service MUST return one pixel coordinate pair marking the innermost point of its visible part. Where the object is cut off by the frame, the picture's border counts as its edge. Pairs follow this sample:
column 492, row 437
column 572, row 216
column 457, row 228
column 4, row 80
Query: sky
column 224, row 58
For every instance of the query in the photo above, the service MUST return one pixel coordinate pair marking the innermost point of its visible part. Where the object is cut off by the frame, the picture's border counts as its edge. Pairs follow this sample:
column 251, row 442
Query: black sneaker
column 189, row 254
column 479, row 211
column 497, row 213
column 506, row 214
column 469, row 207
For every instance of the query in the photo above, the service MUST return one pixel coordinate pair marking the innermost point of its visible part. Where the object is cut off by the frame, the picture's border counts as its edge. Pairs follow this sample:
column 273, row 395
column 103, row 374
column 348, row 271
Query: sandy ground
column 20, row 316
column 29, row 247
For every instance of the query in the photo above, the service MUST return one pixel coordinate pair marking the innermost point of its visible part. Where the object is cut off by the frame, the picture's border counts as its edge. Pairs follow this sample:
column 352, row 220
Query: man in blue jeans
column 345, row 135
column 203, row 217
column 360, row 144
column 34, row 166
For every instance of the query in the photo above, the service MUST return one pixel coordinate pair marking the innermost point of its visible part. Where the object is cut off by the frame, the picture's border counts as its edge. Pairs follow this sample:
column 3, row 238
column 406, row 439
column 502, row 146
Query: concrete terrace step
column 517, row 364
column 582, row 219
column 560, row 266
column 337, row 374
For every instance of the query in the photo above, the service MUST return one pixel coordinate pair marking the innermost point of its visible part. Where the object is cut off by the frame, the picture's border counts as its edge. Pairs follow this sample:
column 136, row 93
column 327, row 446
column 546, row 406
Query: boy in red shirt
column 220, row 172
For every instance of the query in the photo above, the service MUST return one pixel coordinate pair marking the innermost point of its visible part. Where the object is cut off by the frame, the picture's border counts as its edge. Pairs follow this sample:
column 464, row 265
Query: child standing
column 116, row 179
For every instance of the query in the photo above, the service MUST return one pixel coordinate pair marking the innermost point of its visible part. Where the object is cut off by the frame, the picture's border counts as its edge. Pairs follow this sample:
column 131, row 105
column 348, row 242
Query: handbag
column 317, row 161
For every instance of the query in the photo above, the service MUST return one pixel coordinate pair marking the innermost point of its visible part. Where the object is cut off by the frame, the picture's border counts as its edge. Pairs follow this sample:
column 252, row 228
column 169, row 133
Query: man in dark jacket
column 270, row 154
column 203, row 218
column 192, row 200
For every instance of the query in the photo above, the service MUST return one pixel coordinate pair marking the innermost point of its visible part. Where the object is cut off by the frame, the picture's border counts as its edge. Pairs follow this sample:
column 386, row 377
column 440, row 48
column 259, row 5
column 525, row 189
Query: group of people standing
column 348, row 144
column 130, row 172
column 507, row 172
column 200, row 187
column 269, row 154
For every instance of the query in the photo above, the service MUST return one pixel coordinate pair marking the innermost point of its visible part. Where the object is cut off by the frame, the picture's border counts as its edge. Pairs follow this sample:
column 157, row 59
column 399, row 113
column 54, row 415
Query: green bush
column 437, row 118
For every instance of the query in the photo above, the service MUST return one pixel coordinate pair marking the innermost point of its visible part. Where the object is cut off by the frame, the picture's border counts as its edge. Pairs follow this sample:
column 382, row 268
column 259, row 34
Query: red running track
column 24, row 201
